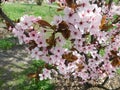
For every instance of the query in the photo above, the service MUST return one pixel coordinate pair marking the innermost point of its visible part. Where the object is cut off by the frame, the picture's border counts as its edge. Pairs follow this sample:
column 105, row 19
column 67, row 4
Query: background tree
column 39, row 2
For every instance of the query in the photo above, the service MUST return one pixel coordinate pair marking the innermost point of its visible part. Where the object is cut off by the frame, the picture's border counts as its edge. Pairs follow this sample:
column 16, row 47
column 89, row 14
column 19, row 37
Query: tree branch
column 6, row 18
column 105, row 81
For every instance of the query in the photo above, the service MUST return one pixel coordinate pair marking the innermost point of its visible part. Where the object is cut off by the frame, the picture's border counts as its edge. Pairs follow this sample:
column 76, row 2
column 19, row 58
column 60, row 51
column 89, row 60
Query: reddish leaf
column 107, row 27
column 103, row 22
column 44, row 23
column 54, row 27
column 104, row 25
column 32, row 45
column 114, row 53
column 66, row 33
column 69, row 57
column 62, row 26
column 32, row 75
column 80, row 67
column 50, row 66
column 51, row 41
column 64, row 29
column 70, row 2
column 116, row 61
column 60, row 9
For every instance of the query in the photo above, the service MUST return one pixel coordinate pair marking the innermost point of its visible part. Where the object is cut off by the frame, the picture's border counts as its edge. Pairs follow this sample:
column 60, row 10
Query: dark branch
column 6, row 18
column 86, row 57
column 105, row 81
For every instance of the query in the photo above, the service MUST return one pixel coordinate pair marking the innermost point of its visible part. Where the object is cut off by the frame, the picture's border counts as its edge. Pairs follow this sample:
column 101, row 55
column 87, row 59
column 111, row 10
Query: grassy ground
column 15, row 10
column 7, row 43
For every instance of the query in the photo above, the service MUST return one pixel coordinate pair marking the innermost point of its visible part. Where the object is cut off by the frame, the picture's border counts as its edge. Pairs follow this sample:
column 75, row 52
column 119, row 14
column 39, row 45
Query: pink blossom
column 26, row 21
column 60, row 41
column 46, row 74
column 57, row 20
column 36, row 53
column 83, row 22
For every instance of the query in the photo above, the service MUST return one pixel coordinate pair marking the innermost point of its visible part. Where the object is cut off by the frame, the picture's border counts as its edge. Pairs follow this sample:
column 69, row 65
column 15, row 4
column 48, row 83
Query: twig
column 105, row 81
column 86, row 58
column 6, row 18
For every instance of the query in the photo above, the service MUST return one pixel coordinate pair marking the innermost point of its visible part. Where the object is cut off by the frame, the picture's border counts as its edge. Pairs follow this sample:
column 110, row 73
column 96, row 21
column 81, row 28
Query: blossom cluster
column 94, row 41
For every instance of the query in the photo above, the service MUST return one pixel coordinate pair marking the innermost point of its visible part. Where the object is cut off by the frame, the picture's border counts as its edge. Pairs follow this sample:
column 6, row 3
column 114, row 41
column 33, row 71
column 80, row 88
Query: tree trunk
column 39, row 2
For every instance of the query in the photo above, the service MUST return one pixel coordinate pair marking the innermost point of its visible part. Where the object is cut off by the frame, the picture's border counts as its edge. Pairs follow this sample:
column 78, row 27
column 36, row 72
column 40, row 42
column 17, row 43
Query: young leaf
column 66, row 33
column 71, row 3
column 32, row 75
column 69, row 57
column 32, row 45
column 116, row 61
column 51, row 41
column 44, row 24
column 62, row 26
column 64, row 29
column 103, row 22
column 80, row 67
column 105, row 25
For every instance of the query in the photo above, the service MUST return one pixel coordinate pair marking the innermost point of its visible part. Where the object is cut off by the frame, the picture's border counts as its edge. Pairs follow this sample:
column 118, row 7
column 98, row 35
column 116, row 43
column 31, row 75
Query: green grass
column 6, row 43
column 116, row 1
column 118, row 71
column 15, row 11
column 24, row 83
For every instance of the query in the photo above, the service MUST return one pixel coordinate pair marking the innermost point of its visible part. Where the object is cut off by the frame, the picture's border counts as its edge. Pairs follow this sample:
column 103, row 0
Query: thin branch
column 105, row 81
column 6, row 18
column 86, row 58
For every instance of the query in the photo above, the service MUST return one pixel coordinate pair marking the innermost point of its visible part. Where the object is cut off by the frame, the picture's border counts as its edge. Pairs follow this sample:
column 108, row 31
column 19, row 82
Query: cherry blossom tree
column 93, row 30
